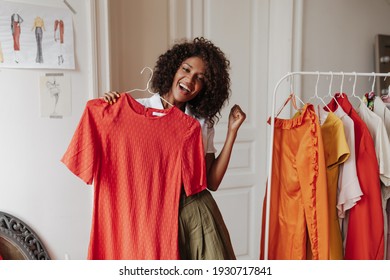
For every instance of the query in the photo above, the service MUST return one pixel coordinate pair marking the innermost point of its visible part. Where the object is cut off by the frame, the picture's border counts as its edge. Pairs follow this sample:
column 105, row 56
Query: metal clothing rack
column 269, row 181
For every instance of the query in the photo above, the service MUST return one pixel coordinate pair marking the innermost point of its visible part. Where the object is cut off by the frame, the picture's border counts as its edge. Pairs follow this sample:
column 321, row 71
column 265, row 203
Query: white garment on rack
column 381, row 141
column 381, row 110
column 349, row 186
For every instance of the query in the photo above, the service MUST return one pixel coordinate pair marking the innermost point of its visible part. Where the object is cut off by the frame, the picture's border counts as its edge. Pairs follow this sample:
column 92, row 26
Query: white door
column 240, row 29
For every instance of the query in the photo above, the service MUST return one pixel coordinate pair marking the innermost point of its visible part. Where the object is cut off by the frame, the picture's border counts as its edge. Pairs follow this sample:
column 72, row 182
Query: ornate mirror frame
column 18, row 241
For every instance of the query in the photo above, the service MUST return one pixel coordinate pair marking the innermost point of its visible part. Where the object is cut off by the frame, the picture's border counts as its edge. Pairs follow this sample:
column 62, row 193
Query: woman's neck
column 171, row 100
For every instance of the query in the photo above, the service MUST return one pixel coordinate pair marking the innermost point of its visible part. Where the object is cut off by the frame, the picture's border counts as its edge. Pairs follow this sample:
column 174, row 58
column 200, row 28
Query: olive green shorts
column 202, row 231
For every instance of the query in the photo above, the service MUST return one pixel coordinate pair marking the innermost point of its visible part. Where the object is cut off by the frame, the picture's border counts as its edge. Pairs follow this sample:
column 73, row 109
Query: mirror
column 18, row 241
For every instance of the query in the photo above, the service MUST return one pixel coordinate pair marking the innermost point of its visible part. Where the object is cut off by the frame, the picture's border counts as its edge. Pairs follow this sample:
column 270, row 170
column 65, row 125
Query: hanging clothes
column 379, row 135
column 299, row 204
column 138, row 159
column 336, row 152
column 381, row 110
column 365, row 238
column 348, row 184
column 382, row 148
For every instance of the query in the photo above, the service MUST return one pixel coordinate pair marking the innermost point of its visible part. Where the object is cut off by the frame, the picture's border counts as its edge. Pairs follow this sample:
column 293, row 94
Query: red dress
column 365, row 240
column 138, row 161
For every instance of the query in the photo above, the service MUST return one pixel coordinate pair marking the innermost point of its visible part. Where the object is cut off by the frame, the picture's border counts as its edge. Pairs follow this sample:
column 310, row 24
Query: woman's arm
column 216, row 167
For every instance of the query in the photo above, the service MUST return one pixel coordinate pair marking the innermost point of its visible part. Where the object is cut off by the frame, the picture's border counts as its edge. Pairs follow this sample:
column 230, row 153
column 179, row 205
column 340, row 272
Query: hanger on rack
column 341, row 85
column 354, row 88
column 385, row 96
column 316, row 92
column 292, row 90
column 373, row 82
column 330, row 89
column 292, row 97
column 148, row 86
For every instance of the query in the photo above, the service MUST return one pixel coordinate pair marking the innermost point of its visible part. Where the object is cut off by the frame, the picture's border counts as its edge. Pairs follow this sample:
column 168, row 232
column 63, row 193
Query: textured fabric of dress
column 365, row 240
column 299, row 199
column 381, row 140
column 203, row 234
column 138, row 159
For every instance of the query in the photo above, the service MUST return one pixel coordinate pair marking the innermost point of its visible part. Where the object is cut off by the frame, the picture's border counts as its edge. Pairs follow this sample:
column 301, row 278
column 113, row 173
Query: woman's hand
column 236, row 118
column 111, row 97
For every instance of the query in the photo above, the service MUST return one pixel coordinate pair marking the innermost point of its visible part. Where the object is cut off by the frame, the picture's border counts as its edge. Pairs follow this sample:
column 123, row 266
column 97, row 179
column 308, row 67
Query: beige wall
column 340, row 36
column 132, row 50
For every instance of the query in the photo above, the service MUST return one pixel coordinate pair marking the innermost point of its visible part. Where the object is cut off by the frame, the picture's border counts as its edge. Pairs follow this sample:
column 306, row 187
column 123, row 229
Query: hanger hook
column 150, row 78
column 291, row 82
column 318, row 78
column 342, row 84
column 373, row 82
column 354, row 84
column 330, row 83
column 388, row 87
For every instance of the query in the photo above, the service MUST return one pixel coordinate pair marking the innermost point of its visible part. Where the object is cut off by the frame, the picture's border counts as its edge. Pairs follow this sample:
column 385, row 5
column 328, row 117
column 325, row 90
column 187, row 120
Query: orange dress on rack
column 299, row 200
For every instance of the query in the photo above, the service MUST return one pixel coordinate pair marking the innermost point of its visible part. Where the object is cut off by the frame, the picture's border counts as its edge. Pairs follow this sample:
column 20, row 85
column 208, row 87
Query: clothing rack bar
column 269, row 179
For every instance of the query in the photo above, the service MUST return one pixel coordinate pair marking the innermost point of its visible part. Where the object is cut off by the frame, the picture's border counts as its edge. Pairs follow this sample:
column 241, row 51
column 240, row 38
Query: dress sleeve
column 193, row 162
column 341, row 151
column 81, row 156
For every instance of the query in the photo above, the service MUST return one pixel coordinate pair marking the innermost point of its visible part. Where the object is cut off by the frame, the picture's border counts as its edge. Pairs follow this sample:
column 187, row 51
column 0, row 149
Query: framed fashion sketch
column 33, row 36
column 55, row 97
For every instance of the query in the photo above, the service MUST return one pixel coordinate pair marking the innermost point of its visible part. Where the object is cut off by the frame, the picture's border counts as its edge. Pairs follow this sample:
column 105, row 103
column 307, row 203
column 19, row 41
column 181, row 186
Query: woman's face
column 188, row 81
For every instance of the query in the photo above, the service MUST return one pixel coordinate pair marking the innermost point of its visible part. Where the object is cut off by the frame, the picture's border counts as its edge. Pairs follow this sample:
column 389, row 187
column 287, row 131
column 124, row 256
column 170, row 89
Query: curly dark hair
column 216, row 89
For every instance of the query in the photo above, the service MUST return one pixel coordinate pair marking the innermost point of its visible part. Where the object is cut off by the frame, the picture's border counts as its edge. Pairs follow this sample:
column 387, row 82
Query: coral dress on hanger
column 139, row 159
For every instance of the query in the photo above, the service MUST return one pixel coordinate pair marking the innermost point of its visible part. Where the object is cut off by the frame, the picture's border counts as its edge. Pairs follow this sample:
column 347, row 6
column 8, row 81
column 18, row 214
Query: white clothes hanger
column 292, row 90
column 342, row 84
column 330, row 89
column 385, row 96
column 148, row 86
column 330, row 84
column 354, row 88
column 291, row 97
column 373, row 82
column 316, row 92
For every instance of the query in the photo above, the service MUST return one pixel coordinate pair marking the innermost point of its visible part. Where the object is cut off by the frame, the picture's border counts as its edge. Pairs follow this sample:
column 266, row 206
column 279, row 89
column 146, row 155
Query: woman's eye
column 186, row 69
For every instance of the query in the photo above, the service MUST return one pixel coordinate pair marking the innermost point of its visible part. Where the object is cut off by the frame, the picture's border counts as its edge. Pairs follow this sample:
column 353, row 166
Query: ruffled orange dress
column 299, row 200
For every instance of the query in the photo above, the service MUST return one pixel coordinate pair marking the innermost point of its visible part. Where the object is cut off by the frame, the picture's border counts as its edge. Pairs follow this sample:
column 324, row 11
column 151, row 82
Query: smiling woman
column 18, row 241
